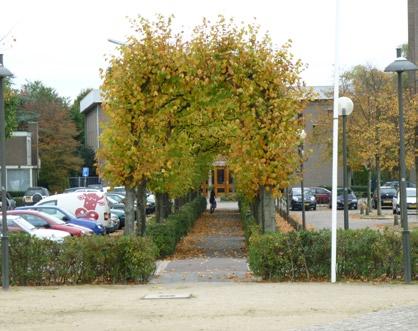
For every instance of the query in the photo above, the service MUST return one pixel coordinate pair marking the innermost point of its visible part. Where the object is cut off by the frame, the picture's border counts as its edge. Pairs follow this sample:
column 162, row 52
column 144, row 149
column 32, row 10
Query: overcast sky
column 64, row 43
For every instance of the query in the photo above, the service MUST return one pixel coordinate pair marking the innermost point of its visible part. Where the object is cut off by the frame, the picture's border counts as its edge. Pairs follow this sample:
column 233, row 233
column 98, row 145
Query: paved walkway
column 400, row 319
column 214, row 251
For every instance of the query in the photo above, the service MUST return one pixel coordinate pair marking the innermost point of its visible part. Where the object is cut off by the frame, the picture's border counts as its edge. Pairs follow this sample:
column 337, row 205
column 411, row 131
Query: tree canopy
column 174, row 105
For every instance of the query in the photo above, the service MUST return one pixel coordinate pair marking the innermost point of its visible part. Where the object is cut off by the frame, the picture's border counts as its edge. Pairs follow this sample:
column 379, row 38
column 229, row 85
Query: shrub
column 95, row 259
column 166, row 235
column 248, row 221
column 361, row 254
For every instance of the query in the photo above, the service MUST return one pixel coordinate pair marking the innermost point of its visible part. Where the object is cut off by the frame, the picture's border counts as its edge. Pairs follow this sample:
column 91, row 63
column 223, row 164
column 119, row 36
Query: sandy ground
column 214, row 306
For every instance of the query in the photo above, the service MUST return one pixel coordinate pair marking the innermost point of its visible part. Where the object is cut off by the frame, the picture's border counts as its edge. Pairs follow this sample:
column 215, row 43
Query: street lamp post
column 4, row 231
column 302, row 187
column 399, row 66
column 345, row 108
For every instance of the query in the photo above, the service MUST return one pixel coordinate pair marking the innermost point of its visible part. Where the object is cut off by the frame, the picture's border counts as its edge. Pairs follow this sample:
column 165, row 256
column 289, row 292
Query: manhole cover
column 166, row 296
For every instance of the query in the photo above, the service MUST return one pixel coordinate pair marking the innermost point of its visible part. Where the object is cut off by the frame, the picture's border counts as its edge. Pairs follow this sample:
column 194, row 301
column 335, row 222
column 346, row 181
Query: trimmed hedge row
column 166, row 235
column 306, row 255
column 86, row 260
column 361, row 254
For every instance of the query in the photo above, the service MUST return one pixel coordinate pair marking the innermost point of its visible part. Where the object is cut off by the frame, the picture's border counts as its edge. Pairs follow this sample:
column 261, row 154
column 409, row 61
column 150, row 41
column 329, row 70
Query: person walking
column 212, row 201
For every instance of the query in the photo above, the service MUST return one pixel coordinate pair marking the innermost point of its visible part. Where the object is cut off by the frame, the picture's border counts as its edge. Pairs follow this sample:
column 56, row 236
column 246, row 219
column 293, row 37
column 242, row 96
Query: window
column 36, row 221
column 221, row 176
column 48, row 203
column 18, row 179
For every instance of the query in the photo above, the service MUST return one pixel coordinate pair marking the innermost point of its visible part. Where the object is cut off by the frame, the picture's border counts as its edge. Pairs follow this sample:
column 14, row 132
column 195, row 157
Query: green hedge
column 361, row 254
column 248, row 221
column 86, row 260
column 166, row 235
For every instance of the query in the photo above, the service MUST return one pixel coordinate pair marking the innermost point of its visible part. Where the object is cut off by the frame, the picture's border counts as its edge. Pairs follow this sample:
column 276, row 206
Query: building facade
column 22, row 159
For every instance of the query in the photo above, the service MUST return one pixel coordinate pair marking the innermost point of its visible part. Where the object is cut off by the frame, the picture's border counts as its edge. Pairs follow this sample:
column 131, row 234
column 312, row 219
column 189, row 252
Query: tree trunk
column 369, row 189
column 269, row 212
column 177, row 205
column 129, row 211
column 166, row 208
column 159, row 207
column 379, row 198
column 258, row 211
column 141, row 202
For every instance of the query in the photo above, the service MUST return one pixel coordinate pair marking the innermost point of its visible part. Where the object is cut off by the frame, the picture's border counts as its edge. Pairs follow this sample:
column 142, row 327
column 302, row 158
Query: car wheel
column 36, row 198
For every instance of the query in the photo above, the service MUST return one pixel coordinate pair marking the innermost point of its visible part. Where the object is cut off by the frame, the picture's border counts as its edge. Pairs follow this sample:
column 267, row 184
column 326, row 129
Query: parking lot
column 321, row 218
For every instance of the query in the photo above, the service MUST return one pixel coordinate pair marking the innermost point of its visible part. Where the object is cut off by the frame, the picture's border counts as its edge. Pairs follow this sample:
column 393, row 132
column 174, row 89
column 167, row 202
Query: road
column 321, row 218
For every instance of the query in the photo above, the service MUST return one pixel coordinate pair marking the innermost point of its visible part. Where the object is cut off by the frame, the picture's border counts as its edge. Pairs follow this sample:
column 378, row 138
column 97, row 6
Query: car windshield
column 298, row 191
column 387, row 191
column 56, row 220
column 116, row 197
column 111, row 200
column 340, row 191
column 21, row 223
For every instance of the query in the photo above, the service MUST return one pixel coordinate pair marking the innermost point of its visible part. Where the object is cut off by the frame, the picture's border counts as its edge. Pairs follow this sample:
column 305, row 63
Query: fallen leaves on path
column 222, row 224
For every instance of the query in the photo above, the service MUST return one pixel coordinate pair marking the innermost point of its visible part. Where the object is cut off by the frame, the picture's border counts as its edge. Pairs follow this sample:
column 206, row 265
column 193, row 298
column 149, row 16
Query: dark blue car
column 68, row 217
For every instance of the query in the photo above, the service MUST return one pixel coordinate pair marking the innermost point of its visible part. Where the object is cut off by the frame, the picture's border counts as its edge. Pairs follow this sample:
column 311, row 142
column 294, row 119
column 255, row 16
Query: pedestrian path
column 213, row 251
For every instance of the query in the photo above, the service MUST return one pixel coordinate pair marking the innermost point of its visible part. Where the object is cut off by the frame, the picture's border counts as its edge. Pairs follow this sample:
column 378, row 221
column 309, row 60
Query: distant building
column 22, row 159
column 317, row 168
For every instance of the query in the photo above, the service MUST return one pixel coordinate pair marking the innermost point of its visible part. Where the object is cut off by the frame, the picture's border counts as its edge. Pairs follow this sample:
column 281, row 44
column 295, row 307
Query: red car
column 42, row 220
column 322, row 195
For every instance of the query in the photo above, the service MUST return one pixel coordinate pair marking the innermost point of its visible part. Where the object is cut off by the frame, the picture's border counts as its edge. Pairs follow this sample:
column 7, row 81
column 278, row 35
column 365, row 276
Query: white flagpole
column 335, row 148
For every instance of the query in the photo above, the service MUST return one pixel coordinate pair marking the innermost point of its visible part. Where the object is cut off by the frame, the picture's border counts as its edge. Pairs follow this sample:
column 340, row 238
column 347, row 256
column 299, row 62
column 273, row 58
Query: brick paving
column 399, row 319
column 214, row 251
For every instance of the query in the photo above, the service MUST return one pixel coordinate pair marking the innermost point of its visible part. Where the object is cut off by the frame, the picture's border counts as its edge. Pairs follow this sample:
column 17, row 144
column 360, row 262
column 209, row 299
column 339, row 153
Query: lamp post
column 399, row 66
column 4, row 236
column 345, row 108
column 302, row 188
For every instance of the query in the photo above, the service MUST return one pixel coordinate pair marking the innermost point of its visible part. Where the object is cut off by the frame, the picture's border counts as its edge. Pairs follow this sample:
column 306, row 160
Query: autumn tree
column 57, row 144
column 173, row 106
column 372, row 128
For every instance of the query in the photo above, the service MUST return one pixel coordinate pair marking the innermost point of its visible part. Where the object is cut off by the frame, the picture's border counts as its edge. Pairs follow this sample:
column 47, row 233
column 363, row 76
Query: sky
column 64, row 43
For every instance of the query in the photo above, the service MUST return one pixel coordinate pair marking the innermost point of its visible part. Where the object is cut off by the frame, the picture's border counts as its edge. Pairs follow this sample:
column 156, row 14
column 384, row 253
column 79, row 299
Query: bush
column 166, row 235
column 361, row 254
column 248, row 221
column 95, row 259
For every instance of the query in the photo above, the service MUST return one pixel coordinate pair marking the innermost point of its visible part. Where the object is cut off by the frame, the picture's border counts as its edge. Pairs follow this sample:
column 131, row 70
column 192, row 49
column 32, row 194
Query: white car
column 49, row 234
column 411, row 200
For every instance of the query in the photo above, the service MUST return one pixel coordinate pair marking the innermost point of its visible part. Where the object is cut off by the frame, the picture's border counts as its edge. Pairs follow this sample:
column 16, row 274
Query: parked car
column 351, row 199
column 34, row 195
column 67, row 217
column 296, row 199
column 42, row 220
column 11, row 203
column 322, row 195
column 411, row 200
column 387, row 194
column 118, row 190
column 395, row 184
column 87, row 205
column 16, row 223
column 113, row 203
column 117, row 197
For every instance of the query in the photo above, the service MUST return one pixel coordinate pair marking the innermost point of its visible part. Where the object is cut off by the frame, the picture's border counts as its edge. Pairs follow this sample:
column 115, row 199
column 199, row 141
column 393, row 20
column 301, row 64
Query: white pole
column 335, row 149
